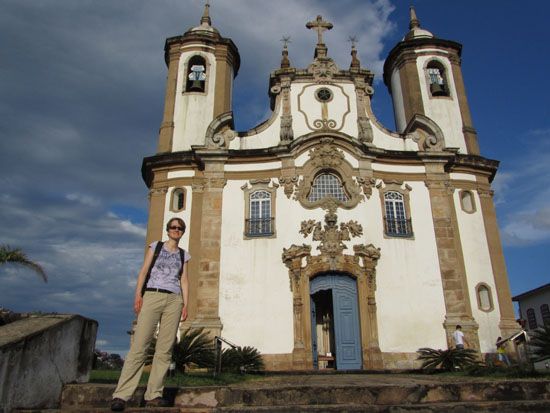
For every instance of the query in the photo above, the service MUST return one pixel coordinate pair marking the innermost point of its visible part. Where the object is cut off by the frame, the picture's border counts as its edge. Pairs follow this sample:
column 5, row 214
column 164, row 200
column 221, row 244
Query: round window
column 323, row 94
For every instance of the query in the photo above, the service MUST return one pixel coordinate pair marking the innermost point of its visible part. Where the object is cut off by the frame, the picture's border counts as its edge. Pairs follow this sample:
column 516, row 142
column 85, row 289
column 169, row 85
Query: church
column 321, row 237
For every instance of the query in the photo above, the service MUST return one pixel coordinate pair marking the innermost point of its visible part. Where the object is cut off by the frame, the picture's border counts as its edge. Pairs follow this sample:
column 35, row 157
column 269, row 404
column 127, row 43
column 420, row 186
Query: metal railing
column 398, row 227
column 218, row 347
column 259, row 227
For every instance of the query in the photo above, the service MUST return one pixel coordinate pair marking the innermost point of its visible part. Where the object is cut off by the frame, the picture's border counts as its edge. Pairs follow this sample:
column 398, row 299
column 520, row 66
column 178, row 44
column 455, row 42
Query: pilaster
column 450, row 254
column 508, row 324
column 208, row 272
column 157, row 202
column 166, row 131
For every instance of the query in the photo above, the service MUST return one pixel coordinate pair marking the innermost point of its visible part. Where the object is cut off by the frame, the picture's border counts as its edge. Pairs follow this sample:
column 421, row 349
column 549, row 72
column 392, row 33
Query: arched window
column 196, row 74
column 545, row 313
column 260, row 222
column 484, row 297
column 327, row 185
column 395, row 220
column 531, row 319
column 437, row 78
column 467, row 202
column 177, row 202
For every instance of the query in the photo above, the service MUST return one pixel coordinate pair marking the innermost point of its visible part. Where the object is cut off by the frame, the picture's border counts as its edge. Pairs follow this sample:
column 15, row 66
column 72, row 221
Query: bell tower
column 201, row 67
column 424, row 76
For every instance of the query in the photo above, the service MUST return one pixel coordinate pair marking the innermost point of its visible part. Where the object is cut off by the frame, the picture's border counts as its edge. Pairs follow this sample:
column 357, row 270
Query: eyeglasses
column 176, row 228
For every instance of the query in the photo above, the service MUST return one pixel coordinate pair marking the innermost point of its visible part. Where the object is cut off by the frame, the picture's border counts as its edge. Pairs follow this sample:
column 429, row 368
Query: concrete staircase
column 333, row 393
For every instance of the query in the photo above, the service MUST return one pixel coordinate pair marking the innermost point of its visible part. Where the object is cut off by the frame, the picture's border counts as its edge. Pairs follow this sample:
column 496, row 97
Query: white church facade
column 321, row 237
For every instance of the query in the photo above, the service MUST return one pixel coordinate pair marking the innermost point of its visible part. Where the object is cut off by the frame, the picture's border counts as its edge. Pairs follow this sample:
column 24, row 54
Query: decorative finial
column 205, row 19
column 355, row 63
column 286, row 40
column 414, row 22
column 320, row 26
column 285, row 62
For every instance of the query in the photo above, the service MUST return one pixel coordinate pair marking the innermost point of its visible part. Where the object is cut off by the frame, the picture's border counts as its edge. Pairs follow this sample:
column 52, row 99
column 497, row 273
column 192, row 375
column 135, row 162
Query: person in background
column 501, row 351
column 162, row 293
column 459, row 339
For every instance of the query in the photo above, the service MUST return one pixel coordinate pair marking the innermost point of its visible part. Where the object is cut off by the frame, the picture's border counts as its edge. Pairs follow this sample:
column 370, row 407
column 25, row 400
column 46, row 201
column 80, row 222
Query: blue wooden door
column 346, row 318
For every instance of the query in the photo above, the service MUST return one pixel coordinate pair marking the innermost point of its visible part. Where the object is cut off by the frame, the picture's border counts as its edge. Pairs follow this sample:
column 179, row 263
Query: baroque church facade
column 321, row 237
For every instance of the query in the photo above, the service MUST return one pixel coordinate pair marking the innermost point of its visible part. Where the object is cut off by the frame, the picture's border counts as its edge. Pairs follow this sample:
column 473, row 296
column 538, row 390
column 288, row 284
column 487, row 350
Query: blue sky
column 81, row 99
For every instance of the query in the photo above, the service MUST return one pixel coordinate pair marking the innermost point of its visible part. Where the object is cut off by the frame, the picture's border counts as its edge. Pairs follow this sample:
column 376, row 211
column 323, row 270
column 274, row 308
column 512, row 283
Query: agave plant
column 447, row 360
column 17, row 256
column 540, row 342
column 195, row 347
column 241, row 359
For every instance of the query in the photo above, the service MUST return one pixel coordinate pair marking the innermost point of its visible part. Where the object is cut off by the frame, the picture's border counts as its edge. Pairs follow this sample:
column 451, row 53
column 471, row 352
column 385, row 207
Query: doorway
column 335, row 335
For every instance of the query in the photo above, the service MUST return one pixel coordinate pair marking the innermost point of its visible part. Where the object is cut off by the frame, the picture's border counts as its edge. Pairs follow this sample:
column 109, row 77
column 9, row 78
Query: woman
column 162, row 293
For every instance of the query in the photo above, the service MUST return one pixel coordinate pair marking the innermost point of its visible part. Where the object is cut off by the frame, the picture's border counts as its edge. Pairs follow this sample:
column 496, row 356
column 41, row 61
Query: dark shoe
column 118, row 405
column 157, row 402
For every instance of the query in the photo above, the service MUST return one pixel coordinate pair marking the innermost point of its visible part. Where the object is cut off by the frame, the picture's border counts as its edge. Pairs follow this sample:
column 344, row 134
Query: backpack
column 155, row 256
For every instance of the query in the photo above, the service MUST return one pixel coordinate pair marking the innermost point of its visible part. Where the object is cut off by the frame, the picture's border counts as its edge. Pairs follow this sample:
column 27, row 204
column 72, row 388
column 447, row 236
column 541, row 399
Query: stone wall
column 39, row 354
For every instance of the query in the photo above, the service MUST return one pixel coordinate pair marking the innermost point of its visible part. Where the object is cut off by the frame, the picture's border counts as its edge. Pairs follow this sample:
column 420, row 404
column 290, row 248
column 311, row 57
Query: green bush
column 242, row 359
column 195, row 347
column 447, row 360
column 539, row 343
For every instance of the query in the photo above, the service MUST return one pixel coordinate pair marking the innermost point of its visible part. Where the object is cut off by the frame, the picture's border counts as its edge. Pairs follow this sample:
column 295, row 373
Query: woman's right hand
column 138, row 301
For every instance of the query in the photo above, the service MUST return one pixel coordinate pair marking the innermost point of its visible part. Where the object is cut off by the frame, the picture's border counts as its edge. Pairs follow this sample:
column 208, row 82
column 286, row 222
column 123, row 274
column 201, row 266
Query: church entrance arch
column 335, row 330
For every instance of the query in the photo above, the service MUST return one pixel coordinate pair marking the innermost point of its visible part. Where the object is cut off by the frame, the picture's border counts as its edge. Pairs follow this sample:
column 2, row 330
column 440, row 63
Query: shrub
column 195, row 347
column 540, row 342
column 242, row 359
column 447, row 360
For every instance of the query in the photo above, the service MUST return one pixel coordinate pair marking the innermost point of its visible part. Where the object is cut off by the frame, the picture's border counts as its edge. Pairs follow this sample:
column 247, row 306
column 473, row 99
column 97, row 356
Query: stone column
column 508, row 324
column 208, row 272
column 470, row 134
column 166, row 131
column 449, row 250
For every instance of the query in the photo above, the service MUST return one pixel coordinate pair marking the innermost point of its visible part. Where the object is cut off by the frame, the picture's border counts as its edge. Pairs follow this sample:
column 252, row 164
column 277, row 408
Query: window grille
column 327, row 185
column 178, row 199
column 531, row 319
column 260, row 222
column 396, row 221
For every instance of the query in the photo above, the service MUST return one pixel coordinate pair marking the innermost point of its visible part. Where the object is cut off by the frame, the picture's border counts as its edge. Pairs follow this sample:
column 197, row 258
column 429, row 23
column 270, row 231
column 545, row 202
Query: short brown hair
column 180, row 221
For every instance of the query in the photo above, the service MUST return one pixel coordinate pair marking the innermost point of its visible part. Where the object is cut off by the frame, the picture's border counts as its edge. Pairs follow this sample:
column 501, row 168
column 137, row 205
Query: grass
column 192, row 379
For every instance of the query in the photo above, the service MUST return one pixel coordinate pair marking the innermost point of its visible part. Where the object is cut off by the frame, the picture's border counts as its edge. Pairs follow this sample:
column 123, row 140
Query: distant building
column 320, row 236
column 534, row 307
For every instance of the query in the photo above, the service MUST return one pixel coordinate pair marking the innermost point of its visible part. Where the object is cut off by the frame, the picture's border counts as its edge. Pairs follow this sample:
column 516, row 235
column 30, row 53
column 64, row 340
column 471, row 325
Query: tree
column 17, row 256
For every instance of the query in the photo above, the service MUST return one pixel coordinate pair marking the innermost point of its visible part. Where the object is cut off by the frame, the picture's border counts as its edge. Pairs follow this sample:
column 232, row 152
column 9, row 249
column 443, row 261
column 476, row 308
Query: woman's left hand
column 184, row 313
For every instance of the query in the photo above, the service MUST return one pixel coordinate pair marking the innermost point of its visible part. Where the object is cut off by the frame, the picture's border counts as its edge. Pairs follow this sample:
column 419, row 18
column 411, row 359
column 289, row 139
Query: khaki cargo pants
column 157, row 307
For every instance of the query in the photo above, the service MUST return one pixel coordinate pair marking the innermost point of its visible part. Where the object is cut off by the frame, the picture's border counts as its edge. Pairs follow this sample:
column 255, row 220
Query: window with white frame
column 178, row 200
column 484, row 297
column 327, row 185
column 395, row 220
column 260, row 221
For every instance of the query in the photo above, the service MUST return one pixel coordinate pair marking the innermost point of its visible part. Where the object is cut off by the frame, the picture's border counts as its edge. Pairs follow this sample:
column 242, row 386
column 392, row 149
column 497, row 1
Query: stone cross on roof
column 320, row 26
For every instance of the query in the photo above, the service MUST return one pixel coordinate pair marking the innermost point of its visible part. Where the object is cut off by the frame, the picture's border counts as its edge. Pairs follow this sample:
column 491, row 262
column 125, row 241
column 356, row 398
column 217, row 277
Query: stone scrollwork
column 288, row 182
column 322, row 69
column 286, row 133
column 427, row 142
column 364, row 128
column 366, row 184
column 222, row 139
column 330, row 235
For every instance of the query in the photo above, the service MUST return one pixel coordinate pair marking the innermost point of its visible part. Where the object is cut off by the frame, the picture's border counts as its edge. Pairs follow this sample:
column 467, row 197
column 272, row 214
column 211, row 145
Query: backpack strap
column 155, row 256
column 182, row 257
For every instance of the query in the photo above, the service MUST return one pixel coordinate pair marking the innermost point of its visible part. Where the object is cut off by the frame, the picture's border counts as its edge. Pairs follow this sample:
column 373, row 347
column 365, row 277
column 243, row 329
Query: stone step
column 533, row 406
column 274, row 395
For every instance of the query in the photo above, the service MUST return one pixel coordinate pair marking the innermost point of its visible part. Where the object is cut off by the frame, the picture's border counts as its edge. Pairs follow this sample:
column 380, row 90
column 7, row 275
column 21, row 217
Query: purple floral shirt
column 165, row 273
